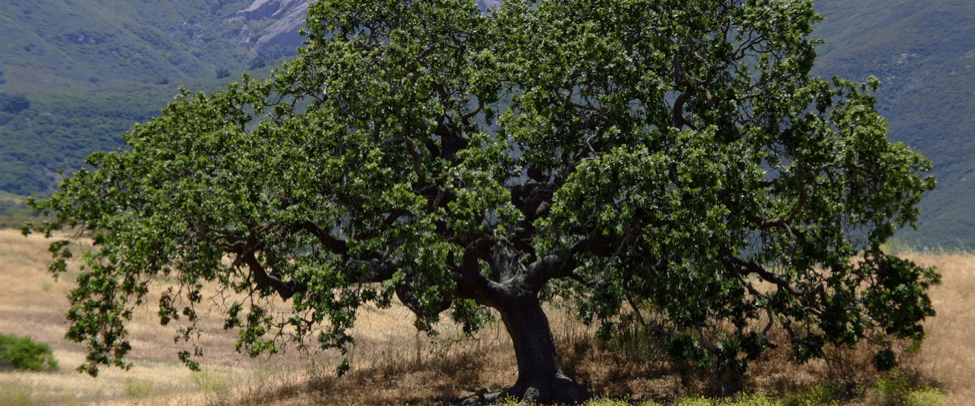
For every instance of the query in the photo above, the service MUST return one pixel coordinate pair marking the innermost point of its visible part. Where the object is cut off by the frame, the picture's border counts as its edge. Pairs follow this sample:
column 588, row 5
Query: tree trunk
column 540, row 379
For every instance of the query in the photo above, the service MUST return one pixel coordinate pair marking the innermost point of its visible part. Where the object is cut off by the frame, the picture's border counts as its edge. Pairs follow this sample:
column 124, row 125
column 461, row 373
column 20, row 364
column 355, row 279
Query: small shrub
column 756, row 399
column 892, row 388
column 25, row 354
column 925, row 397
column 508, row 401
column 695, row 400
column 606, row 401
column 217, row 388
column 824, row 394
column 898, row 388
column 139, row 389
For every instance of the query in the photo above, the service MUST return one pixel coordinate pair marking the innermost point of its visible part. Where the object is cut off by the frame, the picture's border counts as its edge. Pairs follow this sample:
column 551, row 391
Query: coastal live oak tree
column 625, row 154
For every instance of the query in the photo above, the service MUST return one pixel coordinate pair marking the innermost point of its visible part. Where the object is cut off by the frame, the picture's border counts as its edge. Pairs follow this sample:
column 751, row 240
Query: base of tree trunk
column 558, row 390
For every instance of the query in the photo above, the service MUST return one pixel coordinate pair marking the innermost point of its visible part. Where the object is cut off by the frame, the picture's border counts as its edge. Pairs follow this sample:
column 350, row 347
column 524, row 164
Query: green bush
column 607, row 401
column 696, row 400
column 755, row 399
column 898, row 388
column 925, row 397
column 824, row 394
column 25, row 354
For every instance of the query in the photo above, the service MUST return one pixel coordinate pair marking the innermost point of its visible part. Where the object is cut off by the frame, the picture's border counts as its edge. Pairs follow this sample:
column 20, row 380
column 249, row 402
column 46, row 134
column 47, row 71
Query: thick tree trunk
column 540, row 379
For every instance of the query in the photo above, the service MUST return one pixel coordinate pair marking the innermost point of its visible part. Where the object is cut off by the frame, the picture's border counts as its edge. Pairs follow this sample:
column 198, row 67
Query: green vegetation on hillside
column 107, row 41
column 921, row 51
column 58, row 130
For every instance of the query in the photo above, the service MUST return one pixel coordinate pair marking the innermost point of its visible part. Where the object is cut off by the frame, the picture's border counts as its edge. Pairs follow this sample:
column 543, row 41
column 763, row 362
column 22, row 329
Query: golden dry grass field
column 394, row 365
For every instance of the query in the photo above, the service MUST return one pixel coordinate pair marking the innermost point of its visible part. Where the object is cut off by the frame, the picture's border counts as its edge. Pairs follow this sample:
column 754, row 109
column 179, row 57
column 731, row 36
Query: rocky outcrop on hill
column 286, row 17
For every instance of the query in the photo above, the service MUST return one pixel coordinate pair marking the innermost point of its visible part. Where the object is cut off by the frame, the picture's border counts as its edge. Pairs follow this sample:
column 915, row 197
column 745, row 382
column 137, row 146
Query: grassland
column 394, row 365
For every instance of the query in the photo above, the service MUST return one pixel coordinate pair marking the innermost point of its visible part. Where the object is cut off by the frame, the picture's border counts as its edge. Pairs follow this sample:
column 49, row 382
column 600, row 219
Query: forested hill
column 74, row 74
column 923, row 53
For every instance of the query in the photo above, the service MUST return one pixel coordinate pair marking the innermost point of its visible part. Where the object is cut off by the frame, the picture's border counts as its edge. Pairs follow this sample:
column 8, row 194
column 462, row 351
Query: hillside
column 52, row 46
column 922, row 53
column 89, row 70
column 74, row 75
column 58, row 130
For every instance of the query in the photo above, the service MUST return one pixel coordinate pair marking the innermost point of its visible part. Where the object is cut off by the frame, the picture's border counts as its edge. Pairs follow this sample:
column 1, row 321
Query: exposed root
column 559, row 390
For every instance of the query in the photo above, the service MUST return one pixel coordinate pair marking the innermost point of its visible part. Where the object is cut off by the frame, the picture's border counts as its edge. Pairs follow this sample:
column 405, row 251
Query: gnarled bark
column 540, row 378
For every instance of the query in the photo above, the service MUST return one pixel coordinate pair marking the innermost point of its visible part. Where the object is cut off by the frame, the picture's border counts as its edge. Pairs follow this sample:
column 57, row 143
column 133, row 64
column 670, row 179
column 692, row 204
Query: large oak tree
column 668, row 153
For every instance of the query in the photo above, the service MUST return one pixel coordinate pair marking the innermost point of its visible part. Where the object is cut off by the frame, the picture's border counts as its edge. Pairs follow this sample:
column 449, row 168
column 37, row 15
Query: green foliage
column 676, row 154
column 756, row 399
column 887, row 38
column 897, row 388
column 606, row 401
column 59, row 131
column 821, row 395
column 695, row 400
column 508, row 401
column 25, row 354
column 925, row 397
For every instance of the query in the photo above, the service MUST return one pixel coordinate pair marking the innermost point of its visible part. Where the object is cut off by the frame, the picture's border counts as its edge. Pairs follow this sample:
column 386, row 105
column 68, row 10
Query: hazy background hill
column 56, row 45
column 75, row 74
column 923, row 52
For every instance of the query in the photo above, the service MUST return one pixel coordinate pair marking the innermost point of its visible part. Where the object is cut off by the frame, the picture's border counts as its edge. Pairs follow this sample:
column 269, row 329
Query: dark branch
column 328, row 241
column 743, row 268
column 551, row 267
column 263, row 280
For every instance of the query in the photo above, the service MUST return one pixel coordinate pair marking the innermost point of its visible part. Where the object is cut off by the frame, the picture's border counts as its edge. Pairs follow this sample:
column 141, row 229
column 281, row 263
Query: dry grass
column 948, row 354
column 394, row 365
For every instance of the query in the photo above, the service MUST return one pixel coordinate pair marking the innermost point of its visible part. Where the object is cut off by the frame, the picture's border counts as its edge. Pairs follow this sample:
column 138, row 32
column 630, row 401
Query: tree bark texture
column 540, row 378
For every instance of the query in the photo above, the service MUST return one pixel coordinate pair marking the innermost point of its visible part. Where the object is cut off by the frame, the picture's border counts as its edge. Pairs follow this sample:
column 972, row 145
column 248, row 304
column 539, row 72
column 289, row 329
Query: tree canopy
column 614, row 153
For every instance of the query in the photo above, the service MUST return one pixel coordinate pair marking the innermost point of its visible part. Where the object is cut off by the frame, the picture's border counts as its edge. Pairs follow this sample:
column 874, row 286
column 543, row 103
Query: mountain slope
column 70, row 42
column 923, row 52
